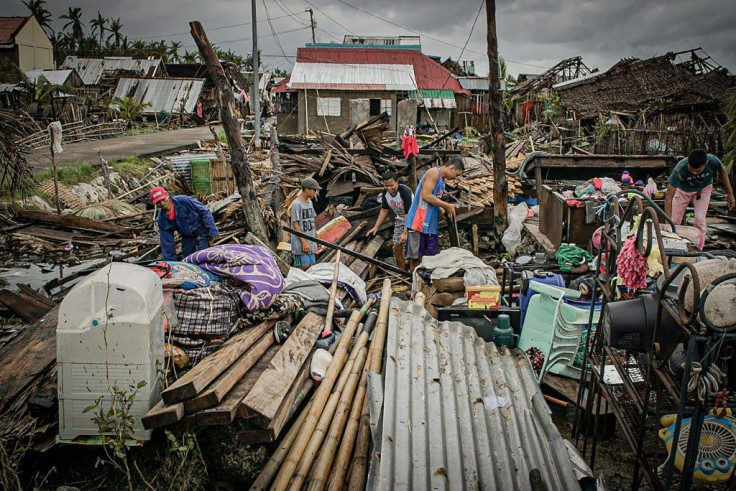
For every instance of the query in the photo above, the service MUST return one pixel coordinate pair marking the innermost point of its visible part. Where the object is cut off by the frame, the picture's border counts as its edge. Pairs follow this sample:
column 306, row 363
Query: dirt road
column 113, row 149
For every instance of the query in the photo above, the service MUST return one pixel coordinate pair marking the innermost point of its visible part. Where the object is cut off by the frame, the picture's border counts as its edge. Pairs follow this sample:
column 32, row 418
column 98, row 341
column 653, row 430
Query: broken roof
column 9, row 27
column 459, row 413
column 657, row 82
column 92, row 69
column 428, row 73
column 171, row 95
column 56, row 77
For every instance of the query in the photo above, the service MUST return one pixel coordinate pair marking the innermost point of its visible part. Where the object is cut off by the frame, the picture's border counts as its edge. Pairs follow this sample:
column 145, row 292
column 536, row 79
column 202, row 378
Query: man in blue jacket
column 186, row 215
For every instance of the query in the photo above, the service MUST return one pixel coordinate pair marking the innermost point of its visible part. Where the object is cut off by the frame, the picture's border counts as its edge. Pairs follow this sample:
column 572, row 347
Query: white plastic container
column 110, row 333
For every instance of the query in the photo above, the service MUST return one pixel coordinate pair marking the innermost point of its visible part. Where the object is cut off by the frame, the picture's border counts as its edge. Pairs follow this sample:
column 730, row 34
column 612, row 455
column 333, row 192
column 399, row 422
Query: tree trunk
column 238, row 158
column 494, row 143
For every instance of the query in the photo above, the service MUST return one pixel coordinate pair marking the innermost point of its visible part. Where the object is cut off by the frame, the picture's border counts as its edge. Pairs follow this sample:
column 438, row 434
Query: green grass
column 221, row 136
column 145, row 130
column 71, row 175
column 131, row 167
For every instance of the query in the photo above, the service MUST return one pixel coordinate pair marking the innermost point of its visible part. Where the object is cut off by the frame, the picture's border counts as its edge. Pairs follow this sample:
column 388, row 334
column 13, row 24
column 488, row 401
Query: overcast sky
column 533, row 34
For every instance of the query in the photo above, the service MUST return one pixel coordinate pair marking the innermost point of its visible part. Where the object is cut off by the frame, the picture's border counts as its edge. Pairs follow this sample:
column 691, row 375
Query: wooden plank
column 216, row 391
column 272, row 388
column 195, row 380
column 70, row 221
column 25, row 358
column 293, row 400
column 225, row 412
column 36, row 297
column 163, row 415
column 359, row 266
column 21, row 306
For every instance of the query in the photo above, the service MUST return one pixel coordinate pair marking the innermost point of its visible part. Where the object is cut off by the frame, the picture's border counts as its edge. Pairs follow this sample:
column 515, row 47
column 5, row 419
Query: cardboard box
column 483, row 296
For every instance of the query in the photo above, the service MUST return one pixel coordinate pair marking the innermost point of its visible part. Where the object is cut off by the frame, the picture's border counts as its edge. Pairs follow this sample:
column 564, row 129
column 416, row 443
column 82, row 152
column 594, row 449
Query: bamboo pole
column 333, row 293
column 274, row 463
column 318, row 436
column 344, row 454
column 336, row 425
column 319, row 400
column 359, row 465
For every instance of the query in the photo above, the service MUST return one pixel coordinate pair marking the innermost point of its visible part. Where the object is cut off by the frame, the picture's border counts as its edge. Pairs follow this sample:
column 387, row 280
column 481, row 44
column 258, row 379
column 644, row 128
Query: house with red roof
column 333, row 86
column 23, row 42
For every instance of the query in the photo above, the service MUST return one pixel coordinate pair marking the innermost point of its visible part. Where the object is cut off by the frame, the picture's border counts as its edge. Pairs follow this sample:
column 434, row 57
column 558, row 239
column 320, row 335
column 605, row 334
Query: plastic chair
column 555, row 327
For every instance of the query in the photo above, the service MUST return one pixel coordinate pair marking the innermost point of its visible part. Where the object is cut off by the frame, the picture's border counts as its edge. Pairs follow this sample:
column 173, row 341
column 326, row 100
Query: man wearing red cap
column 186, row 215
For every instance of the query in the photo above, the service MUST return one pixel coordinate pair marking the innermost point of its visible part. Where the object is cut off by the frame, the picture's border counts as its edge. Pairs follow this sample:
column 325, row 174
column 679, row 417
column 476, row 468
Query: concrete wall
column 406, row 114
column 35, row 51
column 308, row 117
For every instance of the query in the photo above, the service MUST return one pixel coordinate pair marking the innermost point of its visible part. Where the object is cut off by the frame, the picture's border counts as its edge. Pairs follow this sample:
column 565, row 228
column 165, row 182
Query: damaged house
column 334, row 86
column 24, row 43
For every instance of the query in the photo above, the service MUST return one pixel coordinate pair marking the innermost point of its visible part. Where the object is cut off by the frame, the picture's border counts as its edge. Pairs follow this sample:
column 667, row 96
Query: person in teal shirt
column 692, row 181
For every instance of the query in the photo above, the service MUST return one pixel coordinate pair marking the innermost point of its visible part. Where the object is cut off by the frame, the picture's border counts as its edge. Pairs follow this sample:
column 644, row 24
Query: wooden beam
column 272, row 388
column 163, row 415
column 195, row 380
column 216, row 391
column 71, row 221
column 225, row 412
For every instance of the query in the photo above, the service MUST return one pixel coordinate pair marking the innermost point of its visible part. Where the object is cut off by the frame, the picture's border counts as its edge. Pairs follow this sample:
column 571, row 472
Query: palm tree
column 41, row 13
column 190, row 57
column 99, row 25
column 139, row 48
column 74, row 16
column 174, row 51
column 116, row 32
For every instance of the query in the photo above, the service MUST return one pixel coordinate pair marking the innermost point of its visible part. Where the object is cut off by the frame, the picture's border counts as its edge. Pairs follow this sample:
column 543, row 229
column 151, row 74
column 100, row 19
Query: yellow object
column 716, row 449
column 178, row 356
column 483, row 296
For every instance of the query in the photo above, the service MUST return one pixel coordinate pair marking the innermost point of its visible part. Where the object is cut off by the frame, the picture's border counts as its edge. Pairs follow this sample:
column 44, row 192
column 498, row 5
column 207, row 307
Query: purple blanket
column 251, row 269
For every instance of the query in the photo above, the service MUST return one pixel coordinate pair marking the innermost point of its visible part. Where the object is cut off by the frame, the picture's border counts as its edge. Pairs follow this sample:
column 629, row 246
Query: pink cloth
column 679, row 206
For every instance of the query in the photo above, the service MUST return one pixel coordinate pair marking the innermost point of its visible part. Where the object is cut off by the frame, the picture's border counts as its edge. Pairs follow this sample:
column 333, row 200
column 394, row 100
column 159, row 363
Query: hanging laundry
column 409, row 143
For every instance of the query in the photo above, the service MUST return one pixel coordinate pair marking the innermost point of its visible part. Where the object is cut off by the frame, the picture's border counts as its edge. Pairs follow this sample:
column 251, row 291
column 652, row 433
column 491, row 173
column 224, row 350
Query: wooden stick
column 333, row 293
column 476, row 249
column 554, row 400
column 344, row 454
column 277, row 459
column 319, row 400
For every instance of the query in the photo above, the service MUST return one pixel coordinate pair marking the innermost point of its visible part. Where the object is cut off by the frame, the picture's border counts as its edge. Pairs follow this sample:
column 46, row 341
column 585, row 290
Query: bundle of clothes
column 216, row 292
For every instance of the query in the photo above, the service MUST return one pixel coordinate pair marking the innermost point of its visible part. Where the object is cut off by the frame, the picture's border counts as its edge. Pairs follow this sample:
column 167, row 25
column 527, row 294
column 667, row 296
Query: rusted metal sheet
column 171, row 95
column 92, row 69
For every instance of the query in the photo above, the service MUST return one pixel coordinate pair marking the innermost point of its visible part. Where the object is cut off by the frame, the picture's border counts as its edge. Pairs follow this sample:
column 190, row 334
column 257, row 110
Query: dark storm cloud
column 533, row 34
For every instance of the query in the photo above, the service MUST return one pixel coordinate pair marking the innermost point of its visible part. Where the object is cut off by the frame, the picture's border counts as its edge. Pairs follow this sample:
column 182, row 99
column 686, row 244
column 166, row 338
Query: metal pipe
column 368, row 259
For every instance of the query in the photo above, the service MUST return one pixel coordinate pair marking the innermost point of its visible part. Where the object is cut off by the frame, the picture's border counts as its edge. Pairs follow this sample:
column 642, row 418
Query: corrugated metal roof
column 428, row 73
column 459, row 413
column 340, row 76
column 92, row 69
column 171, row 95
column 9, row 27
column 475, row 83
column 55, row 77
column 435, row 99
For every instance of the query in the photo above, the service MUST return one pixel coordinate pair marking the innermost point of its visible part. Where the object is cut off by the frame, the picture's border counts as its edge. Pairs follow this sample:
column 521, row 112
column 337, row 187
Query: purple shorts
column 419, row 245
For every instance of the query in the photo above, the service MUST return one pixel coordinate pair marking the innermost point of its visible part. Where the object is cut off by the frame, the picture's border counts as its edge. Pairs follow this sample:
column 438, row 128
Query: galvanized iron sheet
column 460, row 413
column 171, row 95
column 348, row 76
column 92, row 69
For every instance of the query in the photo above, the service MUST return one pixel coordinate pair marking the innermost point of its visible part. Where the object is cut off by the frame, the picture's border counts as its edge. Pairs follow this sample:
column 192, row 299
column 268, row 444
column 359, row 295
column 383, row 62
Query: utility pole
column 311, row 22
column 255, row 100
column 494, row 142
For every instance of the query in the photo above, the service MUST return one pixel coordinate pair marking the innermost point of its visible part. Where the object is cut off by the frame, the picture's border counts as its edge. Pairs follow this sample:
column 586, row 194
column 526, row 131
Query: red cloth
column 597, row 183
column 171, row 214
column 409, row 146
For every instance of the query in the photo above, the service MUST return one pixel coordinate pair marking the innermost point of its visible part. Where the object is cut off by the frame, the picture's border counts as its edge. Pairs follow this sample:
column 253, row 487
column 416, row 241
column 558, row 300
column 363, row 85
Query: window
column 328, row 106
column 386, row 106
column 380, row 105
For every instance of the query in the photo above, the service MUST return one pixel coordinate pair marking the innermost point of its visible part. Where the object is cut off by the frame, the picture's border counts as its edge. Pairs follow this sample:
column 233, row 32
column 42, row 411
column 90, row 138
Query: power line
column 217, row 43
column 211, row 29
column 270, row 24
column 482, row 2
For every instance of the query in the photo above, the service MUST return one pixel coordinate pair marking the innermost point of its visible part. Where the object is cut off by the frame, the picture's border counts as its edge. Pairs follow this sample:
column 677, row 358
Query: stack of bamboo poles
column 328, row 445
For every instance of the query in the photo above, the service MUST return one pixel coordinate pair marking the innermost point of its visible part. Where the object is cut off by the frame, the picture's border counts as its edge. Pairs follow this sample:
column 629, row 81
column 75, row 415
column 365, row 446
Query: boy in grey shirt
column 303, row 251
